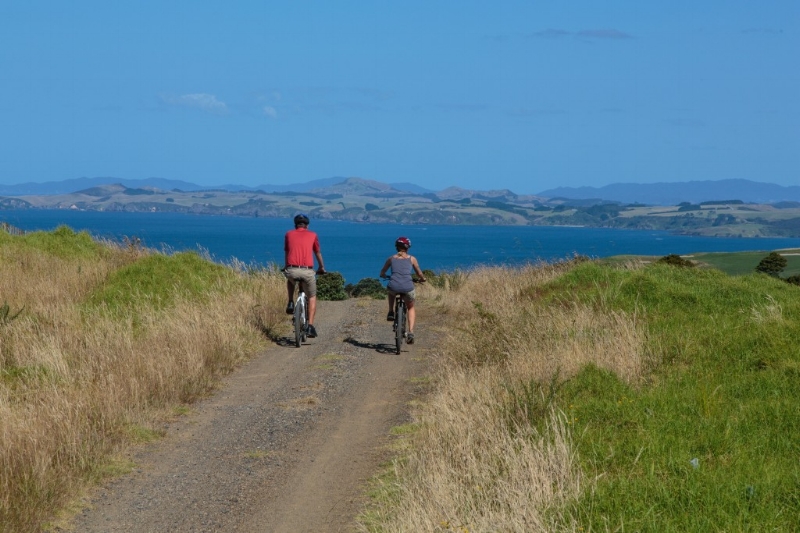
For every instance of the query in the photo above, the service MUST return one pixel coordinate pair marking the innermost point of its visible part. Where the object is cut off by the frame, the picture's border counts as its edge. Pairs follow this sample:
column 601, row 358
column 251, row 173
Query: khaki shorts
column 306, row 276
column 408, row 297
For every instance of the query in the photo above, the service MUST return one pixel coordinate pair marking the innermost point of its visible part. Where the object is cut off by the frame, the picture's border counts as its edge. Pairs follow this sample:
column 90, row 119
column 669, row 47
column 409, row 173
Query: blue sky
column 525, row 95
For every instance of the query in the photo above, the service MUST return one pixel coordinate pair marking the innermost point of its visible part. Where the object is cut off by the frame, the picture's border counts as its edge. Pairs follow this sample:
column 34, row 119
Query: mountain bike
column 300, row 317
column 400, row 324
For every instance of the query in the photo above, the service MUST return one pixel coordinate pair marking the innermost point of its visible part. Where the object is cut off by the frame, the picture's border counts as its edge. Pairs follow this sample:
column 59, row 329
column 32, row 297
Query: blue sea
column 358, row 250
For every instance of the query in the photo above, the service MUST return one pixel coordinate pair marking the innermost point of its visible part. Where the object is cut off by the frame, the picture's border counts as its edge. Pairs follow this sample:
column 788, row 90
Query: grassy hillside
column 98, row 343
column 588, row 397
column 732, row 263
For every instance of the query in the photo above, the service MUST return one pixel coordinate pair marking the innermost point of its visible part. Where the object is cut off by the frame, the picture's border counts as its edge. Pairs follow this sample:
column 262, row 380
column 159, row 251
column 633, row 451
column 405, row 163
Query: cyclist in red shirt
column 300, row 246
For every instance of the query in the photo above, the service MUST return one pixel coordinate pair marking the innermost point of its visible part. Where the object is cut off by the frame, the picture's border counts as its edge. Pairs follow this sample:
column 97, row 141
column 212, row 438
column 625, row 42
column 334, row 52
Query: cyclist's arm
column 386, row 266
column 320, row 262
column 418, row 270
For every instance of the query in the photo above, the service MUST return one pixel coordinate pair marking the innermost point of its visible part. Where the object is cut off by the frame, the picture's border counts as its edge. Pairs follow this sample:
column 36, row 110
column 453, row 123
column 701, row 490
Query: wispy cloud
column 202, row 101
column 552, row 33
column 604, row 34
column 528, row 112
column 321, row 99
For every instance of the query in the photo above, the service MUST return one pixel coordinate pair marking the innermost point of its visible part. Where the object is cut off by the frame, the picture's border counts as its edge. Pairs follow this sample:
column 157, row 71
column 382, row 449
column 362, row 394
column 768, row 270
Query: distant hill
column 724, row 212
column 675, row 193
column 77, row 184
column 656, row 194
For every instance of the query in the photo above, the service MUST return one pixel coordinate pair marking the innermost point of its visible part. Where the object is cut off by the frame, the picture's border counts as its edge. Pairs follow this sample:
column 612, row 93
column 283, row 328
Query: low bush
column 330, row 287
column 676, row 260
column 367, row 287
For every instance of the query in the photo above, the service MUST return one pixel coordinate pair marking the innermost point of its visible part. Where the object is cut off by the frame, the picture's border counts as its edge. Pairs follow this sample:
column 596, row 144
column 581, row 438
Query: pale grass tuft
column 466, row 470
column 771, row 311
column 566, row 339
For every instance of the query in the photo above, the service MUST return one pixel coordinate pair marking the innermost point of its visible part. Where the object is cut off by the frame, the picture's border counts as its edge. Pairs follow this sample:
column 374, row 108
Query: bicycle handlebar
column 387, row 278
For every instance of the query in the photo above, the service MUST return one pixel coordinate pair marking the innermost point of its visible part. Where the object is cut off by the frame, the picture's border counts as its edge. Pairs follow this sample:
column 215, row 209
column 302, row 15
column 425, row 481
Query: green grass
column 63, row 243
column 732, row 263
column 740, row 263
column 711, row 440
column 155, row 281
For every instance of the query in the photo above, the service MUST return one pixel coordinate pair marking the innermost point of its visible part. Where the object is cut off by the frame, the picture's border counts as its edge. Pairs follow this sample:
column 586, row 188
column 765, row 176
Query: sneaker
column 390, row 317
column 290, row 308
column 312, row 332
column 409, row 338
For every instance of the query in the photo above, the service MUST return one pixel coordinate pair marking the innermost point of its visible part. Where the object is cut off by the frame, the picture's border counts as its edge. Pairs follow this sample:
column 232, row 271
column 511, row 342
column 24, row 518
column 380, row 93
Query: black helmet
column 301, row 218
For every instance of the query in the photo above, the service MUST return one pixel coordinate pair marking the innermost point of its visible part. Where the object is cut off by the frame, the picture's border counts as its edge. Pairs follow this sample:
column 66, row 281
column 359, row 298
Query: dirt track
column 286, row 445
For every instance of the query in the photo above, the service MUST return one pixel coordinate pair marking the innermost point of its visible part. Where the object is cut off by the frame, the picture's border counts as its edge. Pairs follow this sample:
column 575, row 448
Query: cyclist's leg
column 412, row 313
column 390, row 298
column 310, row 288
column 312, row 309
column 290, row 289
column 290, row 293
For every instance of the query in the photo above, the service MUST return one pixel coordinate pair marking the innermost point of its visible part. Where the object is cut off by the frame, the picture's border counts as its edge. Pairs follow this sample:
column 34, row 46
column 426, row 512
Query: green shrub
column 675, row 260
column 794, row 280
column 773, row 264
column 369, row 287
column 330, row 286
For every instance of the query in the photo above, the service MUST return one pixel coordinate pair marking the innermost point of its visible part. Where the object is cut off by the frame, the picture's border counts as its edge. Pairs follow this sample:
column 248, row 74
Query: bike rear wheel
column 299, row 321
column 305, row 319
column 400, row 326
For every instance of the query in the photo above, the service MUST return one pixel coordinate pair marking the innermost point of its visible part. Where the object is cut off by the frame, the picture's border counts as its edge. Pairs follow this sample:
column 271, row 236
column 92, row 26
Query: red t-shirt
column 300, row 246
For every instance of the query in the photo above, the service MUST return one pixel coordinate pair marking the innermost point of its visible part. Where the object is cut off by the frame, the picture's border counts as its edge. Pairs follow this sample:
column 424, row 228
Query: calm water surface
column 358, row 250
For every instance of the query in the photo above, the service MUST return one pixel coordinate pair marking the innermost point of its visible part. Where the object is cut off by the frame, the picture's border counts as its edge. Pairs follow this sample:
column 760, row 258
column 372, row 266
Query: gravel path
column 286, row 445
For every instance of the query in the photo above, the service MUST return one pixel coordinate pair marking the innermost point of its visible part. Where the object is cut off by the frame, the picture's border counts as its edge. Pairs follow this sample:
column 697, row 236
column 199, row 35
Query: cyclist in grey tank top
column 402, row 265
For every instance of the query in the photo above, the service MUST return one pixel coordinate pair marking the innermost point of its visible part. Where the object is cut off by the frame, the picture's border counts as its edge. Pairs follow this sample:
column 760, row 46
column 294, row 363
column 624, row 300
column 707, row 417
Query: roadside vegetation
column 583, row 396
column 575, row 396
column 99, row 344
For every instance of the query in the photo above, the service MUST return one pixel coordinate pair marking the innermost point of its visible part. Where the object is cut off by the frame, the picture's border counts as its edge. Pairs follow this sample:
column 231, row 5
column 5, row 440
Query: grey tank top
column 400, row 280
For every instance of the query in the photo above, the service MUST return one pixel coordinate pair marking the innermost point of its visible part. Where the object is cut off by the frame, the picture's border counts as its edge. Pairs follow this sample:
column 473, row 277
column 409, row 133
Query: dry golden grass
column 77, row 383
column 477, row 464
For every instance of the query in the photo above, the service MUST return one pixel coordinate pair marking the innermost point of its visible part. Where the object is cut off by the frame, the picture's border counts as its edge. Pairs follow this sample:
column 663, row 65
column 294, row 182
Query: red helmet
column 405, row 242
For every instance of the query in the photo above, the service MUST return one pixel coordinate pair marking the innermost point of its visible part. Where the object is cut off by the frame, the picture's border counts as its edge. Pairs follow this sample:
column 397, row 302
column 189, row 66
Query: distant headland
column 725, row 208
